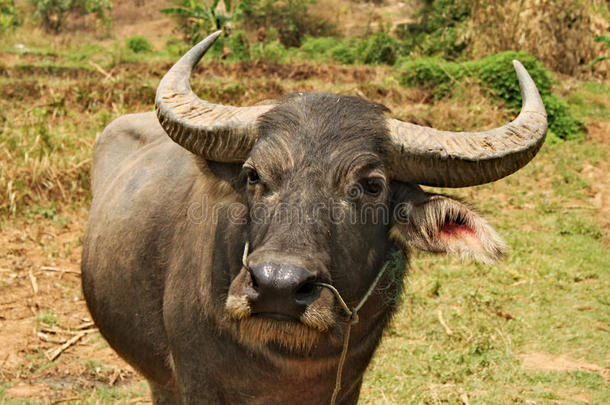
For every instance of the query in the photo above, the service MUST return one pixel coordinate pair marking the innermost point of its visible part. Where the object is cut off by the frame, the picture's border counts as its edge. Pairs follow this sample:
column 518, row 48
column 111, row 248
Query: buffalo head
column 330, row 189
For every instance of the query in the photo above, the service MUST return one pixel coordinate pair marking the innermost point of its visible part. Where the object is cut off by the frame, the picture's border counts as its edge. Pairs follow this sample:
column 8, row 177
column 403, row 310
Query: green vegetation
column 589, row 101
column 288, row 21
column 53, row 13
column 197, row 18
column 138, row 44
column 47, row 318
column 496, row 73
column 439, row 31
column 285, row 20
column 604, row 39
column 10, row 16
column 377, row 49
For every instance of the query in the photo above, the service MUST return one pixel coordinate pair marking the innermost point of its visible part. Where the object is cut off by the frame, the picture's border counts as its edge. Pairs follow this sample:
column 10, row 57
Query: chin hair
column 294, row 336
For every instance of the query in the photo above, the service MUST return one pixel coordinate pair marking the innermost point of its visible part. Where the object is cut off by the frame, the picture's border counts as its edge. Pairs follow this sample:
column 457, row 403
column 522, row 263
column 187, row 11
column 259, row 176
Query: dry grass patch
column 560, row 33
column 551, row 363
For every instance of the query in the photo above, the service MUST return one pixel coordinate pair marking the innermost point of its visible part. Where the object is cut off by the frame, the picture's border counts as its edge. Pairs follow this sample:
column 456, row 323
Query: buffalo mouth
column 276, row 316
column 293, row 330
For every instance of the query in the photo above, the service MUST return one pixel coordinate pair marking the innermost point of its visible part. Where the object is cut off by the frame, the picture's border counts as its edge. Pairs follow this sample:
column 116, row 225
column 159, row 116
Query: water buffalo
column 217, row 234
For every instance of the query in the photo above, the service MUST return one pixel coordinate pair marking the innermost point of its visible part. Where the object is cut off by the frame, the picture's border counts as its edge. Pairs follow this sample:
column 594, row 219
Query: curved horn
column 432, row 157
column 215, row 132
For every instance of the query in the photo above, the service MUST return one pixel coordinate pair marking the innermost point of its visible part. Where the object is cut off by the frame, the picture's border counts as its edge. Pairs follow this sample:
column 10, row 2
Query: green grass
column 590, row 101
column 47, row 318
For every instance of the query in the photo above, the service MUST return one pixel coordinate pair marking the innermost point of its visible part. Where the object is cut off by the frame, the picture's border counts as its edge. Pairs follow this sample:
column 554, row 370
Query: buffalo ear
column 440, row 224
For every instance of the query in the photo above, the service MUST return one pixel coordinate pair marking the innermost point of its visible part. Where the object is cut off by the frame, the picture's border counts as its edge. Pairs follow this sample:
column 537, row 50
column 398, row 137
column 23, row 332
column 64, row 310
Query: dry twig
column 61, row 401
column 76, row 331
column 33, row 281
column 58, row 270
column 3, row 362
column 42, row 336
column 464, row 398
column 53, row 354
column 85, row 325
column 442, row 321
column 115, row 376
column 101, row 70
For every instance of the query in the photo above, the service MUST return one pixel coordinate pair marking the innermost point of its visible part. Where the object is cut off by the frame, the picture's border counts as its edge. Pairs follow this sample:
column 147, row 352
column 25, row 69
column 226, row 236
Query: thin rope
column 337, row 389
column 352, row 320
column 244, row 258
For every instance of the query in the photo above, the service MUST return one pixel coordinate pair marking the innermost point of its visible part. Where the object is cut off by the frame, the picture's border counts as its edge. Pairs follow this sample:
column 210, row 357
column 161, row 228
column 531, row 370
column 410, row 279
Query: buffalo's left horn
column 432, row 157
column 216, row 132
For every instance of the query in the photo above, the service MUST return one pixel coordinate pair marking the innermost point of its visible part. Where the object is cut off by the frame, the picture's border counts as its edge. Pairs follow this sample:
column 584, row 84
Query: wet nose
column 282, row 291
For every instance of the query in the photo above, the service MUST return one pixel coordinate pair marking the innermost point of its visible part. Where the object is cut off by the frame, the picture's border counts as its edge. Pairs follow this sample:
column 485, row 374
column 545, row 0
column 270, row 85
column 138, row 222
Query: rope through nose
column 244, row 258
column 351, row 320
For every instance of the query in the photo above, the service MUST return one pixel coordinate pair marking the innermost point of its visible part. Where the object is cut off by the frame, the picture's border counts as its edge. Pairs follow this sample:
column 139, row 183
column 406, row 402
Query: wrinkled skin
column 162, row 258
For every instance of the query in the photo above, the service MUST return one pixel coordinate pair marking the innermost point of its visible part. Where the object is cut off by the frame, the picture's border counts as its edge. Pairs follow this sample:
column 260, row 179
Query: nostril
column 307, row 293
column 306, row 289
column 254, row 283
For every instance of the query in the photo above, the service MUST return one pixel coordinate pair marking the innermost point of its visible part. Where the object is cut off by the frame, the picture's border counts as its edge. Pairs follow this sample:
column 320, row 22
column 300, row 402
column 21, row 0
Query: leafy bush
column 138, row 44
column 274, row 51
column 290, row 18
column 176, row 46
column 562, row 123
column 497, row 72
column 497, row 75
column 324, row 48
column 52, row 13
column 344, row 52
column 315, row 47
column 270, row 51
column 10, row 16
column 449, row 42
column 378, row 48
column 196, row 19
column 238, row 45
column 439, row 30
column 436, row 75
column 441, row 14
column 233, row 47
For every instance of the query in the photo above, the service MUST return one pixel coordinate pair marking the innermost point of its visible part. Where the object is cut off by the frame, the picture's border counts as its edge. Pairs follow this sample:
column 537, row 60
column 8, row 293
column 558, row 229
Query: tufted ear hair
column 437, row 223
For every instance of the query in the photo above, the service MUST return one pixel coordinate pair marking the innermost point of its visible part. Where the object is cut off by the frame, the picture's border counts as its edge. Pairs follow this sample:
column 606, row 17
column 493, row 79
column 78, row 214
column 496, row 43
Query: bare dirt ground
column 41, row 308
column 142, row 17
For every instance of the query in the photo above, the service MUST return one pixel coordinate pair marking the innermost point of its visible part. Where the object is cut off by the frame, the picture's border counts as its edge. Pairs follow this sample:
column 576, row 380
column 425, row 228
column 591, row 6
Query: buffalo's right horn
column 432, row 157
column 216, row 132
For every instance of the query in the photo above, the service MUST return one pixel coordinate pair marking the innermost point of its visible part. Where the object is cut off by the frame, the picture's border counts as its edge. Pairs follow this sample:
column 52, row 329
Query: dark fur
column 157, row 282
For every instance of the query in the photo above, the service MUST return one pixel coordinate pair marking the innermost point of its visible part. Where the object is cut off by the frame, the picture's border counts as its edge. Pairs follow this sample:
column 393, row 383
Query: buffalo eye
column 252, row 176
column 372, row 186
